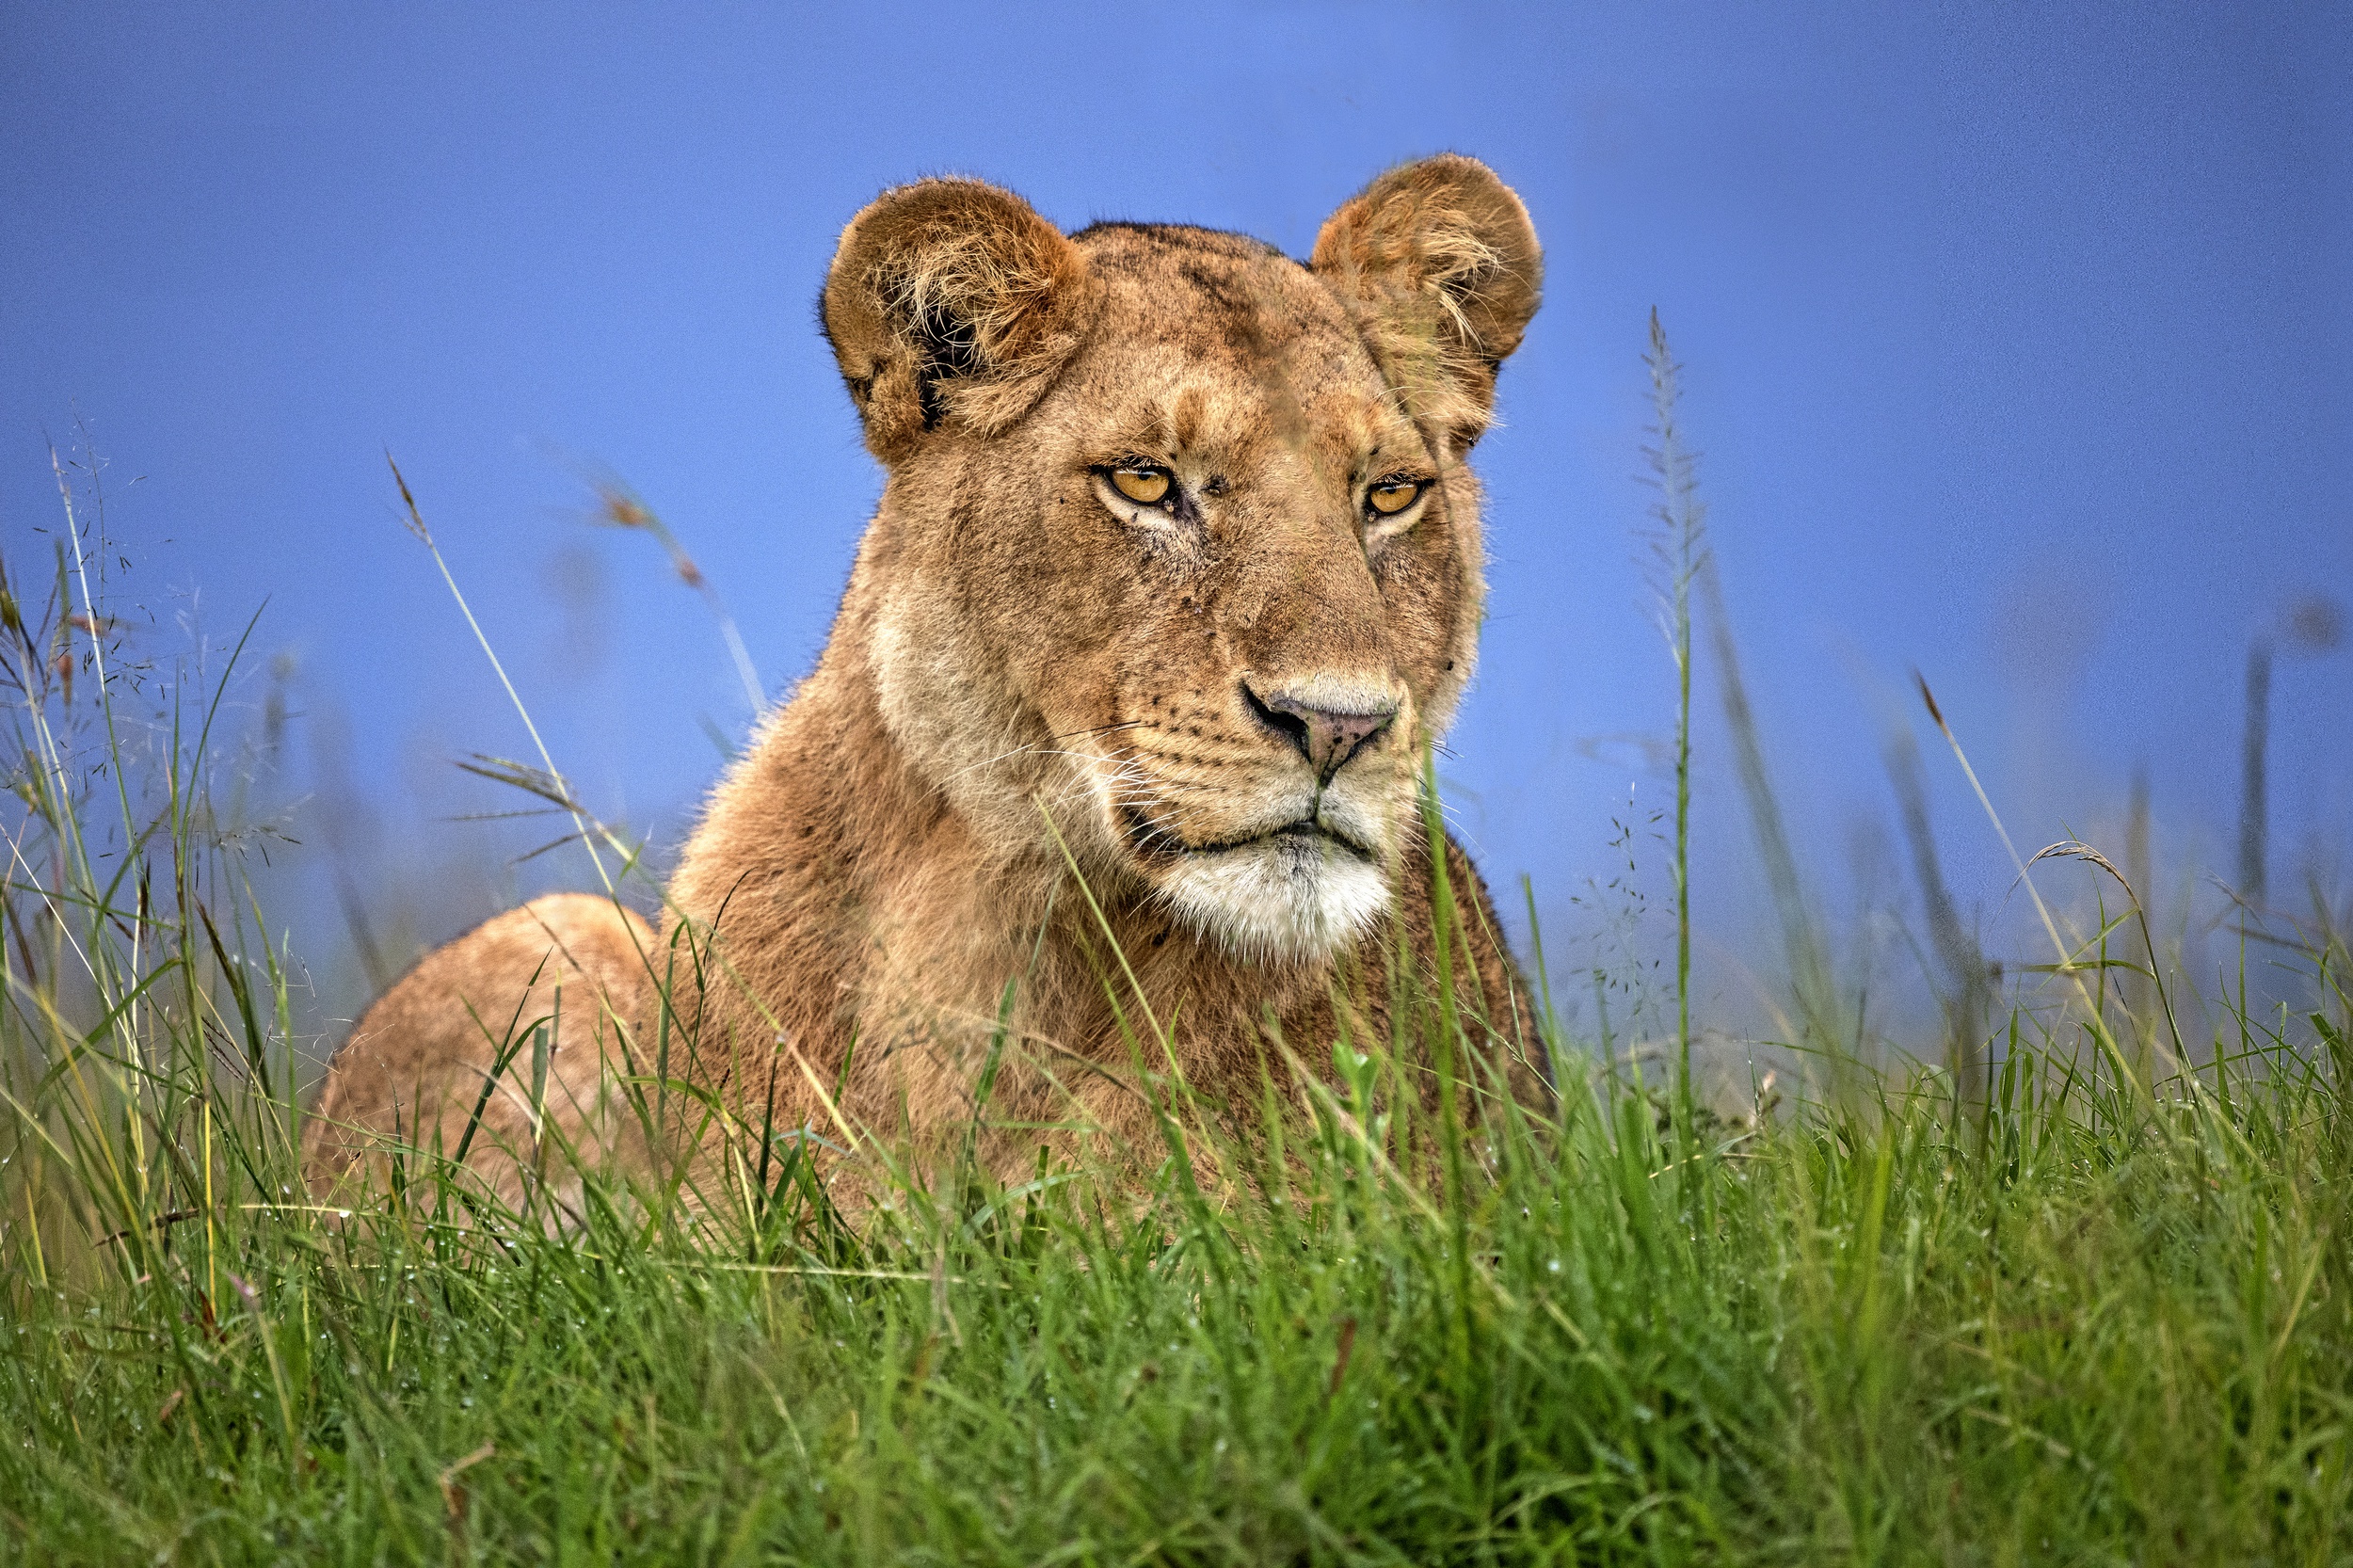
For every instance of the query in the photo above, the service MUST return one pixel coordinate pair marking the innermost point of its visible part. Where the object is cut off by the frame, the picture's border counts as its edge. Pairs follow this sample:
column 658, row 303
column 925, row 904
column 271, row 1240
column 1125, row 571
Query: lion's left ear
column 1440, row 265
column 951, row 303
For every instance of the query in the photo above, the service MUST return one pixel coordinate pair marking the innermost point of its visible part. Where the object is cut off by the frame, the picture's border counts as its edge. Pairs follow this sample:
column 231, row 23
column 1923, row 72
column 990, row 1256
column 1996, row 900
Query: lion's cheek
column 961, row 726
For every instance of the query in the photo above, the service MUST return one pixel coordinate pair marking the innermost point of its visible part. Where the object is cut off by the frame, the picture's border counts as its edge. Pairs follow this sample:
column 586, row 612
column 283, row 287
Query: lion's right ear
column 952, row 302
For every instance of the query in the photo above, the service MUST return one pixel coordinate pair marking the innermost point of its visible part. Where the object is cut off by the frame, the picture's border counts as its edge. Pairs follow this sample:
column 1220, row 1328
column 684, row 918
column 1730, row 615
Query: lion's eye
column 1392, row 496
column 1147, row 484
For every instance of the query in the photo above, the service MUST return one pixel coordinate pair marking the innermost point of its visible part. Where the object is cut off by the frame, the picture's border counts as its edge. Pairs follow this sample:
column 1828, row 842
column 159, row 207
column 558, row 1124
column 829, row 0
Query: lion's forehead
column 1120, row 248
column 1219, row 344
column 1220, row 297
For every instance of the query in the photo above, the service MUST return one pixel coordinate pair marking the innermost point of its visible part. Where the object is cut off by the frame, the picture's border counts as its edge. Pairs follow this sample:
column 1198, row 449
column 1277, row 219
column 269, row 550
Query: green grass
column 2084, row 1317
column 2095, row 1325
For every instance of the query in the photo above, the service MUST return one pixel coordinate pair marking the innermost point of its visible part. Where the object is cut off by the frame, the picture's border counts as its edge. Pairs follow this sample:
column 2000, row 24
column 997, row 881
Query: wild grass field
column 2082, row 1294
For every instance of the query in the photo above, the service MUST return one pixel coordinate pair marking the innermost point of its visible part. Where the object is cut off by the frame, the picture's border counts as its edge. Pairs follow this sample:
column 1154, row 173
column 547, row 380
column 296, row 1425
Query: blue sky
column 2019, row 345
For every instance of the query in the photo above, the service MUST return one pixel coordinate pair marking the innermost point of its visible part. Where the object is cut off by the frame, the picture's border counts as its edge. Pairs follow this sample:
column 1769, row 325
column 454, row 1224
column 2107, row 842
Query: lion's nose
column 1327, row 737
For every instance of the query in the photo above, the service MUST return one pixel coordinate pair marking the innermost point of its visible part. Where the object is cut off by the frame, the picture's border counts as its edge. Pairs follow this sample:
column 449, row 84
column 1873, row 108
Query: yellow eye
column 1147, row 484
column 1392, row 496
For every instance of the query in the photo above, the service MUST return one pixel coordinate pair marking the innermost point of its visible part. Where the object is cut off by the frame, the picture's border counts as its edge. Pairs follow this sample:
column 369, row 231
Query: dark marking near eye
column 1216, row 484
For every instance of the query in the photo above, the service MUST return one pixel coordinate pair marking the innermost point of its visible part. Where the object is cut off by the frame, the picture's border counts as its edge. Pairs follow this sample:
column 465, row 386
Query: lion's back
column 414, row 1070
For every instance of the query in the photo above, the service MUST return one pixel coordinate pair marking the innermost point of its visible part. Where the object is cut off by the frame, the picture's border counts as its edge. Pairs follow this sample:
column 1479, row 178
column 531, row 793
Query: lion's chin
column 1279, row 898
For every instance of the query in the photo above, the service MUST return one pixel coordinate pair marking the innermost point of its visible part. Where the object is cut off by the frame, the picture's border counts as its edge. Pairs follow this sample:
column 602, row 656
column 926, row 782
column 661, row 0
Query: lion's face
column 1197, row 576
column 1245, row 647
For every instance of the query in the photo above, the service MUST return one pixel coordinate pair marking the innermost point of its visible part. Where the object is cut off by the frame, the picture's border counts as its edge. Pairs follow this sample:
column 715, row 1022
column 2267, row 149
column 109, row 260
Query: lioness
column 1177, row 573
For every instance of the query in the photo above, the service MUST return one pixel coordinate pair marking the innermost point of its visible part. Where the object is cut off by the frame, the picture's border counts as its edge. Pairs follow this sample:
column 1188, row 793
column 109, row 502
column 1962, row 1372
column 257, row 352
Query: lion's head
column 1179, row 541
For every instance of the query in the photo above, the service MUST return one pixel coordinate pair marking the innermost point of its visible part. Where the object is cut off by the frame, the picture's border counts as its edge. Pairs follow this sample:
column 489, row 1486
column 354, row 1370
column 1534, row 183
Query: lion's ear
column 1439, row 264
column 951, row 301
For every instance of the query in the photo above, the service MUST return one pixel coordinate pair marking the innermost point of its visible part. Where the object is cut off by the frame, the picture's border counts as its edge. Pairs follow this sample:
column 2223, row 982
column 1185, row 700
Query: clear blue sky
column 2019, row 345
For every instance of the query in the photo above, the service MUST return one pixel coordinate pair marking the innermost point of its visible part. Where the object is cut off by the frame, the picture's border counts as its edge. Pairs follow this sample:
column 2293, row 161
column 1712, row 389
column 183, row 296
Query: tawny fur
column 1030, row 672
column 410, row 1078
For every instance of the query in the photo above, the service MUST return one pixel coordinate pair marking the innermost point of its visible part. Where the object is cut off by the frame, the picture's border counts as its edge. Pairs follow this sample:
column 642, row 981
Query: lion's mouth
column 1156, row 842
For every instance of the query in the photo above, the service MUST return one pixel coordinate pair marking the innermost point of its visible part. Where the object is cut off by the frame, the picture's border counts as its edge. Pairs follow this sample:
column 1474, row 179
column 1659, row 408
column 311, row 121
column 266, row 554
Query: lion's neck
column 843, row 885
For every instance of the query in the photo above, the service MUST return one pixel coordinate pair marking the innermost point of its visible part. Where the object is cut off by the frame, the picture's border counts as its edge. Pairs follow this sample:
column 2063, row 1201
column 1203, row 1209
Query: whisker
column 1031, row 749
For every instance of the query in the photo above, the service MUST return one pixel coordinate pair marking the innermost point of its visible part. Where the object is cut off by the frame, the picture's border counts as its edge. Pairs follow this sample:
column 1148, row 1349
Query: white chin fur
column 1278, row 898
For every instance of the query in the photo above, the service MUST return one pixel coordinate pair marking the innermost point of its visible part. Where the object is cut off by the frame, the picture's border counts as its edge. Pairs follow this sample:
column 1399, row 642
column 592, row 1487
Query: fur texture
column 1212, row 704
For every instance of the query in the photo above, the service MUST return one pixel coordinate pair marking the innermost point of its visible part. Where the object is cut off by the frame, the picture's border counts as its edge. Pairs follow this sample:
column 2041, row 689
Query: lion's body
column 412, row 1075
column 1071, row 765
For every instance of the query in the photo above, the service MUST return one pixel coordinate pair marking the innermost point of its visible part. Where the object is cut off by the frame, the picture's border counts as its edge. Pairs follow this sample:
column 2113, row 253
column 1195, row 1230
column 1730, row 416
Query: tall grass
column 1680, row 555
column 2108, row 1318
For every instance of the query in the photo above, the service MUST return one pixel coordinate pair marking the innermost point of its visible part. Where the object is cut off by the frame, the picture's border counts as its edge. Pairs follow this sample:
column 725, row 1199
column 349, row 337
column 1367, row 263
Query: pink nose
column 1326, row 737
